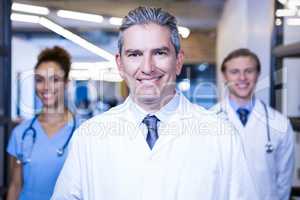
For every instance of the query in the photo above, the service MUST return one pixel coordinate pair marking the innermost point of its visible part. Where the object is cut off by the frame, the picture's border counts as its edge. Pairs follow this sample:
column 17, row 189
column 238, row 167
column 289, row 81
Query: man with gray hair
column 156, row 145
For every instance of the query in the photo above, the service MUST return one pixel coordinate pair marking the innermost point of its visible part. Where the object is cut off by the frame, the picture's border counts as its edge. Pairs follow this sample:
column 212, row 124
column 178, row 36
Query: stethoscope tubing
column 60, row 151
column 269, row 146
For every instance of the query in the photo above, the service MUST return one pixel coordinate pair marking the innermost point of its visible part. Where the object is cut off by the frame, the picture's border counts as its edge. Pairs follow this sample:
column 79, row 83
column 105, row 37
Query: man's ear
column 179, row 62
column 224, row 78
column 120, row 65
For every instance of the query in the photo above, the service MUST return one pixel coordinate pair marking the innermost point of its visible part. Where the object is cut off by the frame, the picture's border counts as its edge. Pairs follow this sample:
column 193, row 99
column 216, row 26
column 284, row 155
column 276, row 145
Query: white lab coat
column 272, row 172
column 198, row 156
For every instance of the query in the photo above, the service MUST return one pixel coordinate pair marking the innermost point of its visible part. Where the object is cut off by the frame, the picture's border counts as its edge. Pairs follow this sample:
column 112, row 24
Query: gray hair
column 146, row 15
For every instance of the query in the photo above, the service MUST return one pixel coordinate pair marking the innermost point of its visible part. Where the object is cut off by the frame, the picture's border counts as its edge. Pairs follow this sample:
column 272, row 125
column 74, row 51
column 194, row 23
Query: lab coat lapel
column 233, row 117
column 169, row 131
column 257, row 114
column 173, row 128
column 132, row 132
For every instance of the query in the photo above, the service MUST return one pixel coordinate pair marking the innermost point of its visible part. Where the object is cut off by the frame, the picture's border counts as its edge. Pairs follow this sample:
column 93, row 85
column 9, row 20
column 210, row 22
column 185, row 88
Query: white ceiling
column 194, row 14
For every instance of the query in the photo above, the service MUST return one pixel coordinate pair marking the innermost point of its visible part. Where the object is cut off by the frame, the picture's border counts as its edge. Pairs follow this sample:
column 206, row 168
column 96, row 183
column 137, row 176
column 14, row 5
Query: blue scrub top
column 40, row 174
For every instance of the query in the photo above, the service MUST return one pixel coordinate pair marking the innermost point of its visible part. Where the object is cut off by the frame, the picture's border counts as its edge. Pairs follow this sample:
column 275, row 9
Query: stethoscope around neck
column 25, row 136
column 269, row 146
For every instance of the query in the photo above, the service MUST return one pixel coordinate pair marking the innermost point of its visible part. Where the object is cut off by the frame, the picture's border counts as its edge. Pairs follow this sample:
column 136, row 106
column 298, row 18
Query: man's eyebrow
column 164, row 48
column 127, row 51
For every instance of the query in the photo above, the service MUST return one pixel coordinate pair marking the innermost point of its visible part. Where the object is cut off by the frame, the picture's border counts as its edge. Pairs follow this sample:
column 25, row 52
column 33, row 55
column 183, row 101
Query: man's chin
column 244, row 95
column 147, row 98
column 241, row 93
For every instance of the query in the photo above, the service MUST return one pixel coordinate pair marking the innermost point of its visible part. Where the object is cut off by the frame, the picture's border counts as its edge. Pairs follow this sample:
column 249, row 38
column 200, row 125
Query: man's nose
column 242, row 76
column 147, row 65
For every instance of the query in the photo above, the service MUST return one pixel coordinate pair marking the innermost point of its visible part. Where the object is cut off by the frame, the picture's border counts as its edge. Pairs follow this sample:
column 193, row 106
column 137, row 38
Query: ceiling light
column 117, row 21
column 75, row 38
column 283, row 2
column 63, row 32
column 285, row 12
column 24, row 18
column 80, row 16
column 278, row 22
column 184, row 85
column 293, row 4
column 202, row 67
column 293, row 21
column 30, row 9
column 183, row 31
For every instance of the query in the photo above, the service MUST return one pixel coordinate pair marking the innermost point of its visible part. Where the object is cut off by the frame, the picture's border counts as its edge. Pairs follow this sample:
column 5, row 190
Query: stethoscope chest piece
column 22, row 160
column 269, row 148
column 28, row 141
column 60, row 152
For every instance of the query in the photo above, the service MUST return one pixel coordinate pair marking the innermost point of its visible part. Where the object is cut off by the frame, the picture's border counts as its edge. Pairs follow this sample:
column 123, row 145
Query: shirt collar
column 249, row 106
column 163, row 114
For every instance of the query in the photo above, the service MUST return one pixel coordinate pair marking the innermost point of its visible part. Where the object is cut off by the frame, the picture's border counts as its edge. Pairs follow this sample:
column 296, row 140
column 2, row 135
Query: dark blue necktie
column 151, row 123
column 243, row 114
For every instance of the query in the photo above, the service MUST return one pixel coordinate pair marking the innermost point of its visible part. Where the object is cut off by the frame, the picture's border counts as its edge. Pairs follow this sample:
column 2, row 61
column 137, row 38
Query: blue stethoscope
column 269, row 146
column 21, row 157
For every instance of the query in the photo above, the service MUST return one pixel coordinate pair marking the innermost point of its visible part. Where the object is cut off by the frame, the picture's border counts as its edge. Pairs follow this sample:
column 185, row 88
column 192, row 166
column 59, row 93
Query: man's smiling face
column 149, row 64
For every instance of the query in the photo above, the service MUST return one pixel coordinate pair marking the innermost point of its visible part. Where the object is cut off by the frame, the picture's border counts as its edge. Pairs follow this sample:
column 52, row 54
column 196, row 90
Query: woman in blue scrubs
column 38, row 147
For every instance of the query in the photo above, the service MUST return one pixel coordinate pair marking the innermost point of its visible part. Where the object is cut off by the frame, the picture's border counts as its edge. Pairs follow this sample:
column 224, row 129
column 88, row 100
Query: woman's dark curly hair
column 58, row 55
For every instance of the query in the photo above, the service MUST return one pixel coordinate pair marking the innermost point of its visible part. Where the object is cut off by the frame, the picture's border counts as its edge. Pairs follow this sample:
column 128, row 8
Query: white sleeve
column 68, row 185
column 285, row 157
